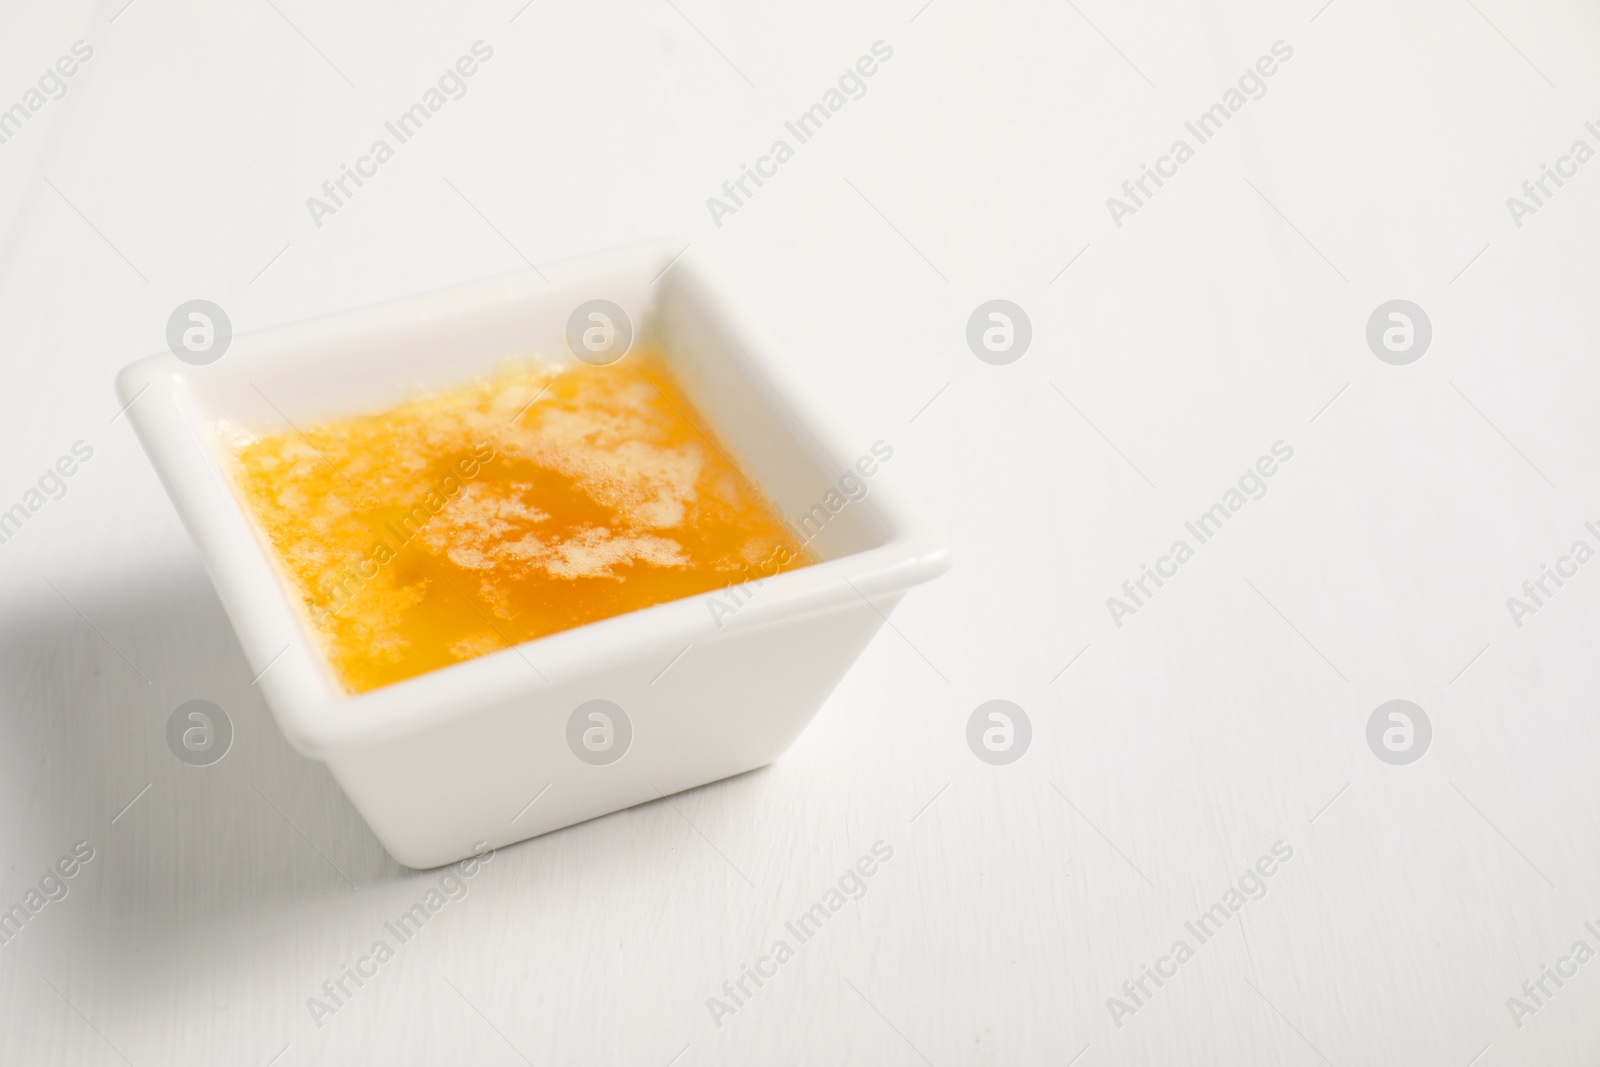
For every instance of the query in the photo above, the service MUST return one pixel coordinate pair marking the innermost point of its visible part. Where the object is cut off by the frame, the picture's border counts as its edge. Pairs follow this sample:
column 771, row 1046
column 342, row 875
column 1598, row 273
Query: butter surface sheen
column 476, row 518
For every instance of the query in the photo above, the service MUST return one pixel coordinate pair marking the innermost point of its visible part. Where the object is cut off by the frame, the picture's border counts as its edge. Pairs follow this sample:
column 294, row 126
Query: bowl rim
column 322, row 721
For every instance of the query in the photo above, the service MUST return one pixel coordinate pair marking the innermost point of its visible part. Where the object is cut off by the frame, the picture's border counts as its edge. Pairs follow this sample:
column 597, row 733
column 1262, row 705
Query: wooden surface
column 1169, row 753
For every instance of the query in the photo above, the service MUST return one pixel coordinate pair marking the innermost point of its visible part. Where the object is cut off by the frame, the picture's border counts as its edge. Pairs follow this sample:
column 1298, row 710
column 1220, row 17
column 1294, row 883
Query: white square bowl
column 446, row 763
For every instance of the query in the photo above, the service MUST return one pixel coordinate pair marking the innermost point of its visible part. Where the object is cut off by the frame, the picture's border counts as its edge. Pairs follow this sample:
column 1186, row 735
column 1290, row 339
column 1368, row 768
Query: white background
column 1229, row 713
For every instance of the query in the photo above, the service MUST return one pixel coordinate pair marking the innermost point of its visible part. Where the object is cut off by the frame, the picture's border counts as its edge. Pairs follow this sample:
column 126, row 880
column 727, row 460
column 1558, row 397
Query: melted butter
column 467, row 521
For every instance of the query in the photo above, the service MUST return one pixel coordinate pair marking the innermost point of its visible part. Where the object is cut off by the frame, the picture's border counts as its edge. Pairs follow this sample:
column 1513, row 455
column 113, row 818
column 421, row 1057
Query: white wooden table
column 1177, row 337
